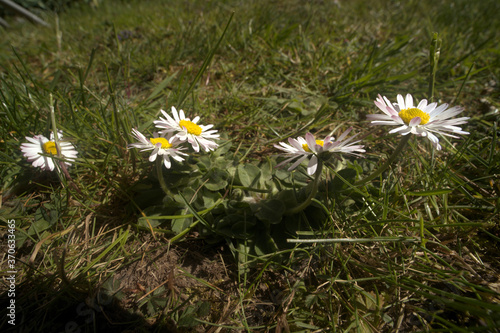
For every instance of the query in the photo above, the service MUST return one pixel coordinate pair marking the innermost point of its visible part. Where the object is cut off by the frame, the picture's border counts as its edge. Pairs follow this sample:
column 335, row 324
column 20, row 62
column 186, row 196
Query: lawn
column 217, row 229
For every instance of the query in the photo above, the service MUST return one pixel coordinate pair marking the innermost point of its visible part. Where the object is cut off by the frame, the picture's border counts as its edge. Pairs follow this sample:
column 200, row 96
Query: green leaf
column 180, row 225
column 270, row 211
column 266, row 170
column 265, row 245
column 188, row 317
column 147, row 195
column 235, row 226
column 242, row 251
column 210, row 198
column 40, row 223
column 248, row 175
column 338, row 184
column 243, row 229
column 288, row 198
column 47, row 213
column 217, row 179
column 152, row 223
column 187, row 192
column 298, row 107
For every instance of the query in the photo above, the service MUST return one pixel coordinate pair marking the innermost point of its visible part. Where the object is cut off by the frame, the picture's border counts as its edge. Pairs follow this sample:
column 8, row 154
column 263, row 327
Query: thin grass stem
column 389, row 161
column 356, row 240
column 434, row 53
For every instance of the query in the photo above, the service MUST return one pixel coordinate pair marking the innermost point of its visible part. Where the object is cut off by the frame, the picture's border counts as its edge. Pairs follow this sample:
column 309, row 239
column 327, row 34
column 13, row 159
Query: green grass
column 416, row 249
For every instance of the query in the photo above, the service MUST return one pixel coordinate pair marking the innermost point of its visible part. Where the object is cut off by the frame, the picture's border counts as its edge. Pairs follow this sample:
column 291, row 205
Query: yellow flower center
column 49, row 147
column 318, row 142
column 408, row 114
column 164, row 142
column 191, row 127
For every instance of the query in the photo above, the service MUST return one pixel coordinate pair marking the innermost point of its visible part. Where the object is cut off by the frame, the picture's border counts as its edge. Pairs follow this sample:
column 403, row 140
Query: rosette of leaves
column 242, row 204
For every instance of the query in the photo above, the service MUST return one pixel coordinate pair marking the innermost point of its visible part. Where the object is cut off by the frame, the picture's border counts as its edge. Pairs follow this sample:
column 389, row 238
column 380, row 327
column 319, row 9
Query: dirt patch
column 191, row 279
column 172, row 266
column 196, row 280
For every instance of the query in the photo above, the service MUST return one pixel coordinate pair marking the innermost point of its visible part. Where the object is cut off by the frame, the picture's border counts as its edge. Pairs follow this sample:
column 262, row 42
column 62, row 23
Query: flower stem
column 54, row 127
column 312, row 194
column 159, row 173
column 434, row 52
column 389, row 161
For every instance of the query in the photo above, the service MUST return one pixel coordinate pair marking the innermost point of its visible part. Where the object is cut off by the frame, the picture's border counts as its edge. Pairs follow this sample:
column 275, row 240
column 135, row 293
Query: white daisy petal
column 313, row 165
column 398, row 120
column 420, row 120
column 188, row 130
column 166, row 162
column 176, row 157
column 285, row 147
column 422, row 104
column 433, row 138
column 181, row 115
column 165, row 146
column 409, row 101
column 39, row 145
column 194, row 143
column 399, row 129
column 176, row 114
column 50, row 163
column 379, row 117
column 439, row 109
column 415, row 121
column 297, row 163
column 296, row 144
column 343, row 135
column 311, row 142
column 301, row 149
column 286, row 161
column 153, row 155
column 401, row 102
column 429, row 108
column 39, row 161
column 448, row 113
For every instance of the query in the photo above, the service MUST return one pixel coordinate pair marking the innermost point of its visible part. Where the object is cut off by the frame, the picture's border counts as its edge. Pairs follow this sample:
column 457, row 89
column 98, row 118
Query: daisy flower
column 302, row 149
column 164, row 146
column 39, row 144
column 188, row 130
column 422, row 120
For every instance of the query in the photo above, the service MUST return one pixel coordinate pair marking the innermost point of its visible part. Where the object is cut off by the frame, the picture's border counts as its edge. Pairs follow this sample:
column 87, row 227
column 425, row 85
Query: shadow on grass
column 41, row 307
